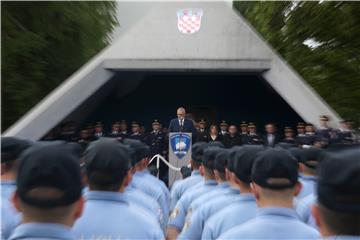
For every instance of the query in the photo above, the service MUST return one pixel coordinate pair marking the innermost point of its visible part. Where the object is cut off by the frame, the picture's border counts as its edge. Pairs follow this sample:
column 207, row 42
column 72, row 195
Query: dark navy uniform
column 158, row 144
column 289, row 135
column 344, row 135
column 223, row 128
column 254, row 138
column 202, row 134
column 136, row 134
column 98, row 131
column 324, row 133
column 230, row 141
column 244, row 135
column 156, row 141
column 115, row 131
column 123, row 129
column 300, row 138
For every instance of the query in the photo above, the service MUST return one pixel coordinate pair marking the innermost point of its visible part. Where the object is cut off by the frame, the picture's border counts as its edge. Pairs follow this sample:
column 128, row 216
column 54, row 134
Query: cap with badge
column 288, row 129
column 140, row 149
column 310, row 157
column 243, row 124
column 135, row 124
column 209, row 156
column 223, row 123
column 49, row 167
column 106, row 161
column 98, row 124
column 221, row 160
column 297, row 153
column 251, row 125
column 156, row 122
column 12, row 147
column 202, row 121
column 243, row 159
column 197, row 151
column 338, row 185
column 324, row 118
column 275, row 169
column 300, row 125
column 116, row 124
column 231, row 157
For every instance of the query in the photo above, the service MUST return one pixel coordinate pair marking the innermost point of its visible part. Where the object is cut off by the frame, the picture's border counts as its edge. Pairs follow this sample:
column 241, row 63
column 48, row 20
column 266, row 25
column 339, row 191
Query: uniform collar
column 341, row 237
column 309, row 178
column 42, row 230
column 195, row 173
column 277, row 211
column 234, row 190
column 105, row 195
column 246, row 197
column 224, row 185
column 141, row 173
column 8, row 182
column 210, row 182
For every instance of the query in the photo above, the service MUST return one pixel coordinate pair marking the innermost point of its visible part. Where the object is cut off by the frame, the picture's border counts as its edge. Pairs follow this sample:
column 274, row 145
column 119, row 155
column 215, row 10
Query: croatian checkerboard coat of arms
column 189, row 20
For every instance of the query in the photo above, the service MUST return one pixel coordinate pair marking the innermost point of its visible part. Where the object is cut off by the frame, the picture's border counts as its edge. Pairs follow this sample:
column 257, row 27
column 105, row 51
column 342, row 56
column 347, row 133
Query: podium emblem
column 180, row 144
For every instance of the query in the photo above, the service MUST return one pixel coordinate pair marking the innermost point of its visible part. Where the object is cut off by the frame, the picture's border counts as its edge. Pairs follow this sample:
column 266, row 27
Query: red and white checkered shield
column 189, row 20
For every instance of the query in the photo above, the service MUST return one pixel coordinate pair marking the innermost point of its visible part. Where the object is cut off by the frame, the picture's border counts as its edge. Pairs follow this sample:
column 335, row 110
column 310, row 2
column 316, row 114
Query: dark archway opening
column 214, row 96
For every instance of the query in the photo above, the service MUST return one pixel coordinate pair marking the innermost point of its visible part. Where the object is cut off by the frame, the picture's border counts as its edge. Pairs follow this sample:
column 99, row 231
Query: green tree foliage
column 43, row 43
column 331, row 64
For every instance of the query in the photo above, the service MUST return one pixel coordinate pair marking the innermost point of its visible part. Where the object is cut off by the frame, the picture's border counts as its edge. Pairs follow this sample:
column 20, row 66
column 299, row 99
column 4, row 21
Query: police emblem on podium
column 179, row 152
column 180, row 144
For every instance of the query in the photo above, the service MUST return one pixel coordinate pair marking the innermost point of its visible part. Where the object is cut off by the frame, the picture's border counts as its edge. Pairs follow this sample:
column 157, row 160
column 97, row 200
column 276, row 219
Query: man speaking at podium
column 181, row 124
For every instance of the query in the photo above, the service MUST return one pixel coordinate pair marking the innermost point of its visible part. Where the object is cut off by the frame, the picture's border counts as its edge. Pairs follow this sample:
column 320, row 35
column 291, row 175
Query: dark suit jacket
column 230, row 141
column 188, row 126
column 275, row 141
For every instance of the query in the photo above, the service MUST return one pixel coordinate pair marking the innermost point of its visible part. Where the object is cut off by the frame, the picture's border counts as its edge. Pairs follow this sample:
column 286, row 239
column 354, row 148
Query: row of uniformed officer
column 50, row 185
column 271, row 176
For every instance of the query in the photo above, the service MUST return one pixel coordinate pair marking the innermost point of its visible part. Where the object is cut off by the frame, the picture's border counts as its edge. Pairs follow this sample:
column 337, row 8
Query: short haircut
column 341, row 223
column 208, row 172
column 98, row 181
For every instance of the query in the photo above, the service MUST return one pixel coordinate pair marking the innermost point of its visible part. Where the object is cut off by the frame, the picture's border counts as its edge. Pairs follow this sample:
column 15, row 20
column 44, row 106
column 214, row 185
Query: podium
column 179, row 153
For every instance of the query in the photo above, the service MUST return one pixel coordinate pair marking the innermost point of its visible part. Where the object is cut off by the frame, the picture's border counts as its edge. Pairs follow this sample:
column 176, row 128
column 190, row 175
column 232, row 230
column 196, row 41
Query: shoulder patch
column 174, row 213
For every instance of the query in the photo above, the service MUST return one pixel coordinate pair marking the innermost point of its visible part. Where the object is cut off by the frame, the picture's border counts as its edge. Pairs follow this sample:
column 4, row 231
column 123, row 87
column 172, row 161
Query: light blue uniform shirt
column 221, row 188
column 242, row 209
column 308, row 186
column 42, row 231
column 303, row 209
column 157, row 181
column 180, row 187
column 342, row 237
column 177, row 217
column 109, row 215
column 143, row 200
column 8, row 187
column 10, row 217
column 142, row 182
column 272, row 223
column 195, row 222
